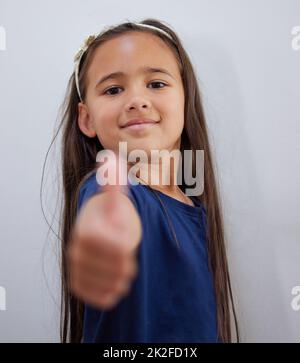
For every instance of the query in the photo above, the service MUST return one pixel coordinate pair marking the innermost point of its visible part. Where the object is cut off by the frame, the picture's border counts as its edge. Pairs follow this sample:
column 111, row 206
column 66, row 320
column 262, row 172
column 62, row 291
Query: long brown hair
column 78, row 162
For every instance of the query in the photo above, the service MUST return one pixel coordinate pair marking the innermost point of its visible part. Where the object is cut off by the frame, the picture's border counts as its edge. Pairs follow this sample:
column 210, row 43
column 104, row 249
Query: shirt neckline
column 194, row 210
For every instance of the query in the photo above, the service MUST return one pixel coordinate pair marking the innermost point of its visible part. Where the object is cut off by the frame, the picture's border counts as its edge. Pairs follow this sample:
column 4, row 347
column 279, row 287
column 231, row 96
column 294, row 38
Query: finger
column 94, row 298
column 94, row 293
column 104, row 244
column 99, row 284
column 103, row 227
column 107, row 269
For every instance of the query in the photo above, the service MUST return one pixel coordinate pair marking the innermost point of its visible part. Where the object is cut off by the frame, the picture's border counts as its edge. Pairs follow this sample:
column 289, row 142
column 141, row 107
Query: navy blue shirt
column 172, row 298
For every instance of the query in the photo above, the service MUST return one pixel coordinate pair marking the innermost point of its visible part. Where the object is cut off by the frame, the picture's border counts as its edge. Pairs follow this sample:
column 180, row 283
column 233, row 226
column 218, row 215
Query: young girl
column 146, row 263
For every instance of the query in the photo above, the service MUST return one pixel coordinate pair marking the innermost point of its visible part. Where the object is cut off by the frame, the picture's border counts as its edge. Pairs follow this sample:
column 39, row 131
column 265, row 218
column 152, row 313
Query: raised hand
column 102, row 251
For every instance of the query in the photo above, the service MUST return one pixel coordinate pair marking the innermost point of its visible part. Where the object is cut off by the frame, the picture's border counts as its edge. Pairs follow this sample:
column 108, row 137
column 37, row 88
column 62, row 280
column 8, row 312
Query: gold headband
column 89, row 40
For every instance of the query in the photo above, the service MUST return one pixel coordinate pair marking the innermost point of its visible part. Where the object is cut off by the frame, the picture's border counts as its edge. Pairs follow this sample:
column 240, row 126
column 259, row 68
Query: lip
column 139, row 121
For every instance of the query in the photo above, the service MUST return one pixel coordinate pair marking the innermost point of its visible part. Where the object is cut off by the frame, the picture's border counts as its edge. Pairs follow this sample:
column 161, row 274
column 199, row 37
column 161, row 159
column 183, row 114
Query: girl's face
column 137, row 91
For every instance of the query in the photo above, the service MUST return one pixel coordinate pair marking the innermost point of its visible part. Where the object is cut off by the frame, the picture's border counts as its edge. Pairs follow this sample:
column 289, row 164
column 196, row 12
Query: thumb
column 112, row 175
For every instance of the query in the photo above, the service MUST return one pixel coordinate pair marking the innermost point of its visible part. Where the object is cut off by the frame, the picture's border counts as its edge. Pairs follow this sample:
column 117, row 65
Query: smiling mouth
column 139, row 121
column 140, row 126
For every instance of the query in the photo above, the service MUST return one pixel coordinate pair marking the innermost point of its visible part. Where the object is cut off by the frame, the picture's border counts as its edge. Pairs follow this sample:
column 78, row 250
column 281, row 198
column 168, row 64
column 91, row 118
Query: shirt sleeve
column 88, row 189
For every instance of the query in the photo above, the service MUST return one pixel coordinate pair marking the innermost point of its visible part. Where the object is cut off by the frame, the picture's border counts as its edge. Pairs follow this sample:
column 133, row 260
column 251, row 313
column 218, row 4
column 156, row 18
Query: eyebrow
column 146, row 70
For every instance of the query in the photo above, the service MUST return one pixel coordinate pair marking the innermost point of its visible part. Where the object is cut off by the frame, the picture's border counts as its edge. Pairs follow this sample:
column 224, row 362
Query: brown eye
column 110, row 89
column 158, row 82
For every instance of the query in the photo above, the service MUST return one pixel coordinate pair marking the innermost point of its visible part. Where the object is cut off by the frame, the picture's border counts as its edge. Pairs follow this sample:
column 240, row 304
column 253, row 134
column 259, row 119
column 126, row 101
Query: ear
column 84, row 121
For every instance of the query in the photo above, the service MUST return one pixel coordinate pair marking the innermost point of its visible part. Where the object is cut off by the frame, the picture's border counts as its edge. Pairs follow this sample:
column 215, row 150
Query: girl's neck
column 162, row 179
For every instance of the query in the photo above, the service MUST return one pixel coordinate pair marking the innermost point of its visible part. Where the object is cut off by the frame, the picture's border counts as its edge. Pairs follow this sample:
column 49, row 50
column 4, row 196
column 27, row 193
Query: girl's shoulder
column 88, row 187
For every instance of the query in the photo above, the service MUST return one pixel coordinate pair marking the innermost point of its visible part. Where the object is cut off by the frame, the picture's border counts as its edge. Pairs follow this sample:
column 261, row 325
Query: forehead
column 131, row 51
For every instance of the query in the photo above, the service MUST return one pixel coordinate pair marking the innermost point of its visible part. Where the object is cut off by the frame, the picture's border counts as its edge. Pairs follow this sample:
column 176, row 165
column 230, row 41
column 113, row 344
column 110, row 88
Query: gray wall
column 249, row 72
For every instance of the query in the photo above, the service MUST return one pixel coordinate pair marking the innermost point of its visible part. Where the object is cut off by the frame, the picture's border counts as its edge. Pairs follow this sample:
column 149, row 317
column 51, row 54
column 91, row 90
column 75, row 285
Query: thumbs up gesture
column 101, row 255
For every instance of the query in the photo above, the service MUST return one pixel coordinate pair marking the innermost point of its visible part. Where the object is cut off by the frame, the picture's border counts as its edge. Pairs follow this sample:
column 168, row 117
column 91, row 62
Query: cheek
column 106, row 124
column 175, row 114
column 106, row 117
column 175, row 104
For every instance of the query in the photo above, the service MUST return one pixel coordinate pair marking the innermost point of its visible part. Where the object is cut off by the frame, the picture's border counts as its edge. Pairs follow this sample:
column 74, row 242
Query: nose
column 138, row 103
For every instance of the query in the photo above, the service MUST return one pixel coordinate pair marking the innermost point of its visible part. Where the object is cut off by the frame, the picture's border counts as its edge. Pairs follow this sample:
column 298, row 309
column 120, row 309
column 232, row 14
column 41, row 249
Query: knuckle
column 122, row 251
column 123, row 269
column 121, row 287
column 125, row 287
column 111, row 289
column 107, row 301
